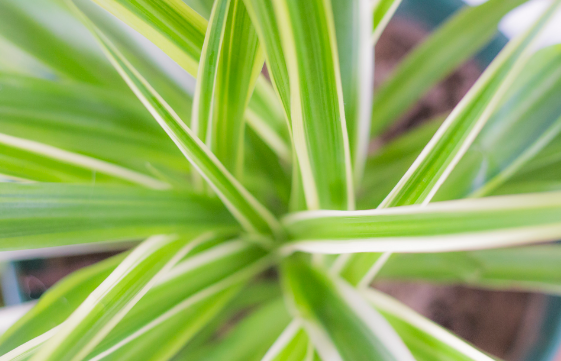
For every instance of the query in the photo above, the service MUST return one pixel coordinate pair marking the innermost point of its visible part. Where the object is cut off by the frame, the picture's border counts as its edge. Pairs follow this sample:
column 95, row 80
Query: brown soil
column 501, row 323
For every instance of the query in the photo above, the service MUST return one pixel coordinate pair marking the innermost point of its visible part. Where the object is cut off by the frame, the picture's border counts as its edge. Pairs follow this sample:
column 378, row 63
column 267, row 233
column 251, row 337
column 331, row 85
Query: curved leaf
column 381, row 16
column 182, row 302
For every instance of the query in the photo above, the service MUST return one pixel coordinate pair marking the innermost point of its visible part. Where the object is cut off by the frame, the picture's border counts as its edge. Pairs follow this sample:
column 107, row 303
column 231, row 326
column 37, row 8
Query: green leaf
column 207, row 282
column 437, row 227
column 256, row 294
column 388, row 164
column 21, row 165
column 170, row 24
column 292, row 344
column 52, row 215
column 445, row 49
column 264, row 20
column 114, row 298
column 533, row 269
column 156, row 345
column 265, row 175
column 250, row 213
column 262, row 15
column 165, row 75
column 505, row 145
column 266, row 117
column 353, row 25
column 381, row 16
column 180, row 32
column 518, row 130
column 76, row 125
column 71, row 166
column 340, row 323
column 540, row 174
column 49, row 33
column 231, row 60
column 202, row 118
column 203, row 7
column 426, row 340
column 438, row 159
column 317, row 113
column 15, row 60
column 452, row 140
column 241, row 61
column 248, row 340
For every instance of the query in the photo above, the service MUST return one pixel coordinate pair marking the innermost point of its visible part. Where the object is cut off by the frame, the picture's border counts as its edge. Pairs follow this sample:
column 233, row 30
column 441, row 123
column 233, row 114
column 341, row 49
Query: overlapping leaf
column 386, row 167
column 113, row 298
column 206, row 280
column 339, row 322
column 262, row 14
column 81, row 126
column 57, row 304
column 520, row 129
column 179, row 31
column 292, row 344
column 252, row 215
column 452, row 140
column 213, row 278
column 249, row 338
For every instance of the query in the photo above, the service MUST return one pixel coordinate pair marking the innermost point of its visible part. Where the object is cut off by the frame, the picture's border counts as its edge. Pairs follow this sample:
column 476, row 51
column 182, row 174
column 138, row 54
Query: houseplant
column 105, row 171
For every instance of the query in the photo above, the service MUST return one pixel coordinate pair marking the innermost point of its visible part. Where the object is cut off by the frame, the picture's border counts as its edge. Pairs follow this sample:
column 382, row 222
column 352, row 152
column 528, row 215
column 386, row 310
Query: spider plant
column 253, row 215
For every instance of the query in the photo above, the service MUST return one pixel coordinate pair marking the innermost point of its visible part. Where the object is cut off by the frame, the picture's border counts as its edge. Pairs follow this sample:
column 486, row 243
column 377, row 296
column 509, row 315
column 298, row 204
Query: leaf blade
column 463, row 225
column 532, row 268
column 228, row 76
column 49, row 215
column 317, row 111
column 353, row 24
